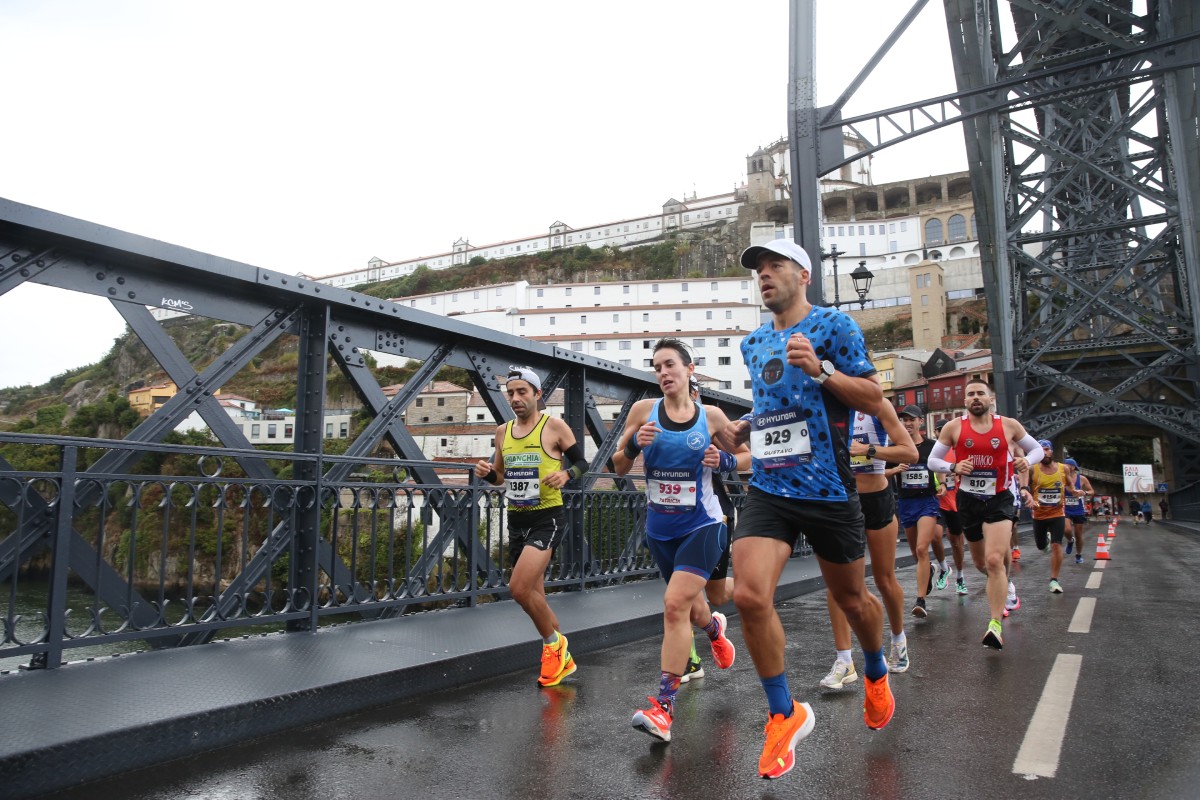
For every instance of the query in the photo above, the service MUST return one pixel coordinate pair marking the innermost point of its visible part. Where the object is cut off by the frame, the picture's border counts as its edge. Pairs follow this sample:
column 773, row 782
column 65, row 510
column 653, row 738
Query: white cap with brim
column 527, row 375
column 784, row 247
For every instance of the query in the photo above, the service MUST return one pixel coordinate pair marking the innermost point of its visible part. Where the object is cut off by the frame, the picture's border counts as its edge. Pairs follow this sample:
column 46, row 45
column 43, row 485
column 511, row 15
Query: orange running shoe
column 878, row 703
column 655, row 720
column 556, row 663
column 722, row 648
column 1016, row 555
column 779, row 753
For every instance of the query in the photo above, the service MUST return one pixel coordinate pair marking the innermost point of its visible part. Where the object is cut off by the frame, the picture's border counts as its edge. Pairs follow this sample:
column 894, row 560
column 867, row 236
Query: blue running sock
column 779, row 699
column 875, row 667
column 668, row 687
column 713, row 629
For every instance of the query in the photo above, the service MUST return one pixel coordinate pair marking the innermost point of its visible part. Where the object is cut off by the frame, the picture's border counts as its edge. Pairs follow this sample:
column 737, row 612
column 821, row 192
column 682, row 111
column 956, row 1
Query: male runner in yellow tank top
column 530, row 452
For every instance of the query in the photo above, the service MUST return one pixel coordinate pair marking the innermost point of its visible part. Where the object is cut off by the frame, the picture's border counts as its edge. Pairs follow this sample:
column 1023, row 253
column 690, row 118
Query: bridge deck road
column 1077, row 705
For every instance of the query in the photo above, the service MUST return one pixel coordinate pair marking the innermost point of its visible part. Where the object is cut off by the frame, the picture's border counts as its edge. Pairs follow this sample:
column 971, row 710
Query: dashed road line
column 1093, row 581
column 1082, row 621
column 1042, row 746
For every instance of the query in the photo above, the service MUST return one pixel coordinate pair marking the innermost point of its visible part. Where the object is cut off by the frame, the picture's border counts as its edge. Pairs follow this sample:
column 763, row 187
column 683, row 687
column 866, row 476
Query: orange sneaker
column 779, row 753
column 722, row 648
column 655, row 720
column 878, row 703
column 1016, row 555
column 556, row 663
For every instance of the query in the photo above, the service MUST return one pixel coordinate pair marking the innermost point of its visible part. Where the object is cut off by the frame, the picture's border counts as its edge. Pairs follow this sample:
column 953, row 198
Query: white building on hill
column 619, row 322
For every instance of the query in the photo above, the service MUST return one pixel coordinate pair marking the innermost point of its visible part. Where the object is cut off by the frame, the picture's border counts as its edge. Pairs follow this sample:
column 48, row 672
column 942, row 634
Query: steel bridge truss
column 329, row 326
column 1083, row 142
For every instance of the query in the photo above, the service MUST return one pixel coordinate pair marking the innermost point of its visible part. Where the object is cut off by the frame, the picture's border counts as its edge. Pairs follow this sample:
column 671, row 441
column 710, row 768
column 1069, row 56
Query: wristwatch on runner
column 826, row 372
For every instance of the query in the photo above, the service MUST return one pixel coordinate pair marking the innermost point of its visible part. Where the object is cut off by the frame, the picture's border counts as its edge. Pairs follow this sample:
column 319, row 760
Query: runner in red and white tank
column 980, row 440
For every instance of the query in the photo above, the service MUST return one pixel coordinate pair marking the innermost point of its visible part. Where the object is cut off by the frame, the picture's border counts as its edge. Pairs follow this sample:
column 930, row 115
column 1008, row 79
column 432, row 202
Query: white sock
column 899, row 638
column 843, row 656
column 942, row 565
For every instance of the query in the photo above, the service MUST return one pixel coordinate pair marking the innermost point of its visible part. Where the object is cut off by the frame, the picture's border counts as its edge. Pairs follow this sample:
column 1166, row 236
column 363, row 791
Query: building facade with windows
column 618, row 322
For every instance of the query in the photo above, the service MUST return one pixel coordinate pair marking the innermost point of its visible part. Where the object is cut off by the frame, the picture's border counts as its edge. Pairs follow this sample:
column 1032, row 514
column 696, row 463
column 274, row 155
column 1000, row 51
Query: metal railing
column 1184, row 504
column 185, row 545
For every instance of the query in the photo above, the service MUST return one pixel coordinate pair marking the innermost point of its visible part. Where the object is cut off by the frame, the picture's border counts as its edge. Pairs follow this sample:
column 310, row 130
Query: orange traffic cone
column 1102, row 549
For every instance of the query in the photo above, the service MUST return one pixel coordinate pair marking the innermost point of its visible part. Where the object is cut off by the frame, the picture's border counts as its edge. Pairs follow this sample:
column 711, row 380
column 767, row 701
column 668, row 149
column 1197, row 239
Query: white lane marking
column 1101, row 564
column 1042, row 746
column 1093, row 581
column 1082, row 621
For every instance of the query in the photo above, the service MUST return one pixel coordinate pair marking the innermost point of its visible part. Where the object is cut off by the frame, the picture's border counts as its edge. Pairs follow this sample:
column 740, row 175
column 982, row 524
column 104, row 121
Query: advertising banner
column 1139, row 478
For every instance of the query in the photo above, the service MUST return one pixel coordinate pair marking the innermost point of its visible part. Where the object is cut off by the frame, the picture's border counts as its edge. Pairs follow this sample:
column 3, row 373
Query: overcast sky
column 309, row 137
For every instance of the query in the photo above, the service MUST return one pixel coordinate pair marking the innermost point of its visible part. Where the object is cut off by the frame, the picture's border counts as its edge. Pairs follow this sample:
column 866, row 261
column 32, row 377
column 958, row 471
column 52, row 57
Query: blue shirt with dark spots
column 799, row 434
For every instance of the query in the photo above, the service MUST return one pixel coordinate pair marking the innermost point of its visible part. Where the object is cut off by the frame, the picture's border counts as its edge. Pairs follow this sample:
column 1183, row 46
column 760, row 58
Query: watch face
column 827, row 367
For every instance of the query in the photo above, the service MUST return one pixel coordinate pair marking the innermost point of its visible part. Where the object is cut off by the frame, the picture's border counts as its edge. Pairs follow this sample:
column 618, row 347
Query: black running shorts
column 974, row 512
column 1054, row 528
column 542, row 529
column 834, row 529
column 879, row 509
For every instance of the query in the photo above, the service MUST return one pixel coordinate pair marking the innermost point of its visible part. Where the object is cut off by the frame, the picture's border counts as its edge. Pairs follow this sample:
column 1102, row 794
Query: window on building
column 956, row 228
column 708, row 314
column 724, row 361
column 713, row 286
column 255, row 431
column 748, row 384
column 920, row 396
column 443, row 442
column 654, row 288
column 568, row 292
column 625, row 289
column 903, row 227
column 701, row 361
column 647, row 362
column 933, row 231
column 625, row 362
column 645, row 316
column 900, row 399
column 647, row 344
column 583, row 319
column 289, row 431
column 420, row 402
column 616, row 317
column 522, row 322
column 441, row 401
column 479, row 416
column 723, row 341
column 551, row 320
column 328, row 430
column 698, row 343
column 924, row 299
column 577, row 346
column 541, row 292
column 454, row 297
column 595, row 290
column 725, row 384
column 683, row 287
column 475, row 296
column 598, row 345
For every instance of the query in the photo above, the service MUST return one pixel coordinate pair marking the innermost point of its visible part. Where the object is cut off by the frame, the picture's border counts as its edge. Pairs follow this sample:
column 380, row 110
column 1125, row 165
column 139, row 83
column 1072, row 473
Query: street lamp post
column 861, row 277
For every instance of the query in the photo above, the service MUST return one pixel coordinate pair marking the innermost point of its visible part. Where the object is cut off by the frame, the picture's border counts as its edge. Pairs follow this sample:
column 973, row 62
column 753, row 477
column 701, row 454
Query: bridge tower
column 1081, row 122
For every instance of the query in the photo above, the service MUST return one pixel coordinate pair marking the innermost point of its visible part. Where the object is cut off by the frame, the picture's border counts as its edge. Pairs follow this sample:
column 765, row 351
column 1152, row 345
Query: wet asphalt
column 963, row 711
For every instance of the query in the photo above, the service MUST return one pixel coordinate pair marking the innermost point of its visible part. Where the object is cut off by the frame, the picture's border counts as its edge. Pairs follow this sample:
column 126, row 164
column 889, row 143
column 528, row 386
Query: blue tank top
column 1074, row 502
column 679, row 492
column 798, row 433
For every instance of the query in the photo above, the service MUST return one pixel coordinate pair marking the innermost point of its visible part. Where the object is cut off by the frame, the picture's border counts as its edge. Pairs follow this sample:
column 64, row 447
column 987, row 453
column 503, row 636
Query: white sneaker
column 841, row 674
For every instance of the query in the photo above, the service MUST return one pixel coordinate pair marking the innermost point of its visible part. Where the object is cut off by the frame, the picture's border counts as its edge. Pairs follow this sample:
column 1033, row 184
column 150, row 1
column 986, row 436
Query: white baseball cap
column 784, row 247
